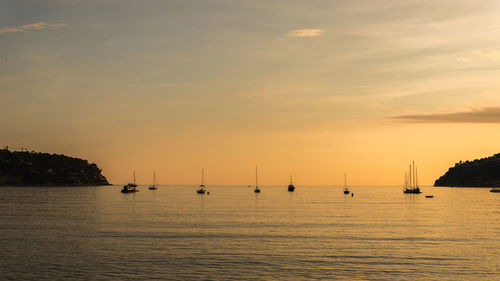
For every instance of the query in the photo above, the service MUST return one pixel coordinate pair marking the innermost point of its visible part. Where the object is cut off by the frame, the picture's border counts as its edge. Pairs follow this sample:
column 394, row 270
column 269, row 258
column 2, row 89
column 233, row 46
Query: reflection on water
column 233, row 233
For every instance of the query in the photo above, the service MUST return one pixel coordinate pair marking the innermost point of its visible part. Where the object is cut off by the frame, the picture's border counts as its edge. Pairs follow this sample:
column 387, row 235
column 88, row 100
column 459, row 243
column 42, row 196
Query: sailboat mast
column 416, row 177
column 409, row 178
column 290, row 179
column 154, row 178
column 134, row 177
column 414, row 174
column 256, row 185
column 202, row 177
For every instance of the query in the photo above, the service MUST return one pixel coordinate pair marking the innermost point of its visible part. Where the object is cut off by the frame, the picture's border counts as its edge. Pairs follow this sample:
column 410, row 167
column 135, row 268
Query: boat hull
column 129, row 188
column 129, row 191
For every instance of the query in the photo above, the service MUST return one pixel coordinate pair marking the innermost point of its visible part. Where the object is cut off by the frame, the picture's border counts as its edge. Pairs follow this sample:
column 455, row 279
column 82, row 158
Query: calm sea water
column 173, row 233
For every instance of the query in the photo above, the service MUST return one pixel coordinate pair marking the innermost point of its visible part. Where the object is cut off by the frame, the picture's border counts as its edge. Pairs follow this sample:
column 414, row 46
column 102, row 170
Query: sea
column 314, row 233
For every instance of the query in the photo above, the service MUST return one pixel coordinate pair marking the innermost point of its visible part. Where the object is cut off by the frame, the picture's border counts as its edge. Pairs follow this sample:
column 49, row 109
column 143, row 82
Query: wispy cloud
column 305, row 32
column 475, row 115
column 11, row 29
column 485, row 54
column 463, row 59
column 493, row 54
column 31, row 26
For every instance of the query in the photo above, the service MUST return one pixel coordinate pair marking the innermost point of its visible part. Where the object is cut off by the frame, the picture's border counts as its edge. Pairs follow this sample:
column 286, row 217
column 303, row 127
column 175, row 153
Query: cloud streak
column 476, row 115
column 31, row 26
column 305, row 32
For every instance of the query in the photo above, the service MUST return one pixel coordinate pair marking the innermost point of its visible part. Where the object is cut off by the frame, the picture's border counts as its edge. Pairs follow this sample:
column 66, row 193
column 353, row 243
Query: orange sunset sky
column 309, row 88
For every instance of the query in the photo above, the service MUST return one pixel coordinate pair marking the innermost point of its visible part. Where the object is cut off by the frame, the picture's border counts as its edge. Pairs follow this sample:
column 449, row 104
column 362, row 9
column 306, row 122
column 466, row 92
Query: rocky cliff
column 483, row 172
column 35, row 168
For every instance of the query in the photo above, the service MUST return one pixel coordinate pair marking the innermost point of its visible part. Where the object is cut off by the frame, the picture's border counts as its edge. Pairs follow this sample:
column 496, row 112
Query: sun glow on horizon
column 313, row 90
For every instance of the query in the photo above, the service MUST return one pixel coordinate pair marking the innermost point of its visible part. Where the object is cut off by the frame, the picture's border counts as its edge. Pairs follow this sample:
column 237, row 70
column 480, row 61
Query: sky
column 309, row 88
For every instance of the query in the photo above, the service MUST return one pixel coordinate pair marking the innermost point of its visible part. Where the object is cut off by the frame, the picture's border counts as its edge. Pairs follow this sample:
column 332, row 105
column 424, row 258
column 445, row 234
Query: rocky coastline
column 483, row 172
column 23, row 168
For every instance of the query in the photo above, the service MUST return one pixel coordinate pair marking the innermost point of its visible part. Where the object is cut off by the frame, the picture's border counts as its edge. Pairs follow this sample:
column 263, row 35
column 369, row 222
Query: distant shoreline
column 479, row 173
column 43, row 169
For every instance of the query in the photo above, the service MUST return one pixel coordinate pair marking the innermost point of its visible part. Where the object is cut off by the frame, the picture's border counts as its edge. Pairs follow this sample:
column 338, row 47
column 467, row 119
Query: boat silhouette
column 130, row 187
column 154, row 186
column 202, row 188
column 291, row 187
column 411, row 181
column 346, row 190
column 257, row 189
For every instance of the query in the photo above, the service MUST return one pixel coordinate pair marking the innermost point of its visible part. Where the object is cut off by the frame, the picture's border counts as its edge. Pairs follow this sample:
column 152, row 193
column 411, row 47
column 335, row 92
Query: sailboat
column 291, row 187
column 154, row 186
column 411, row 181
column 257, row 189
column 346, row 190
column 130, row 187
column 202, row 189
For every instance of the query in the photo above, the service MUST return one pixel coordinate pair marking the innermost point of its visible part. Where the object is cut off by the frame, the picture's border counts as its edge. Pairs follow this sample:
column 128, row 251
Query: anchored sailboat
column 202, row 189
column 257, row 189
column 130, row 187
column 291, row 187
column 411, row 181
column 346, row 190
column 154, row 186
